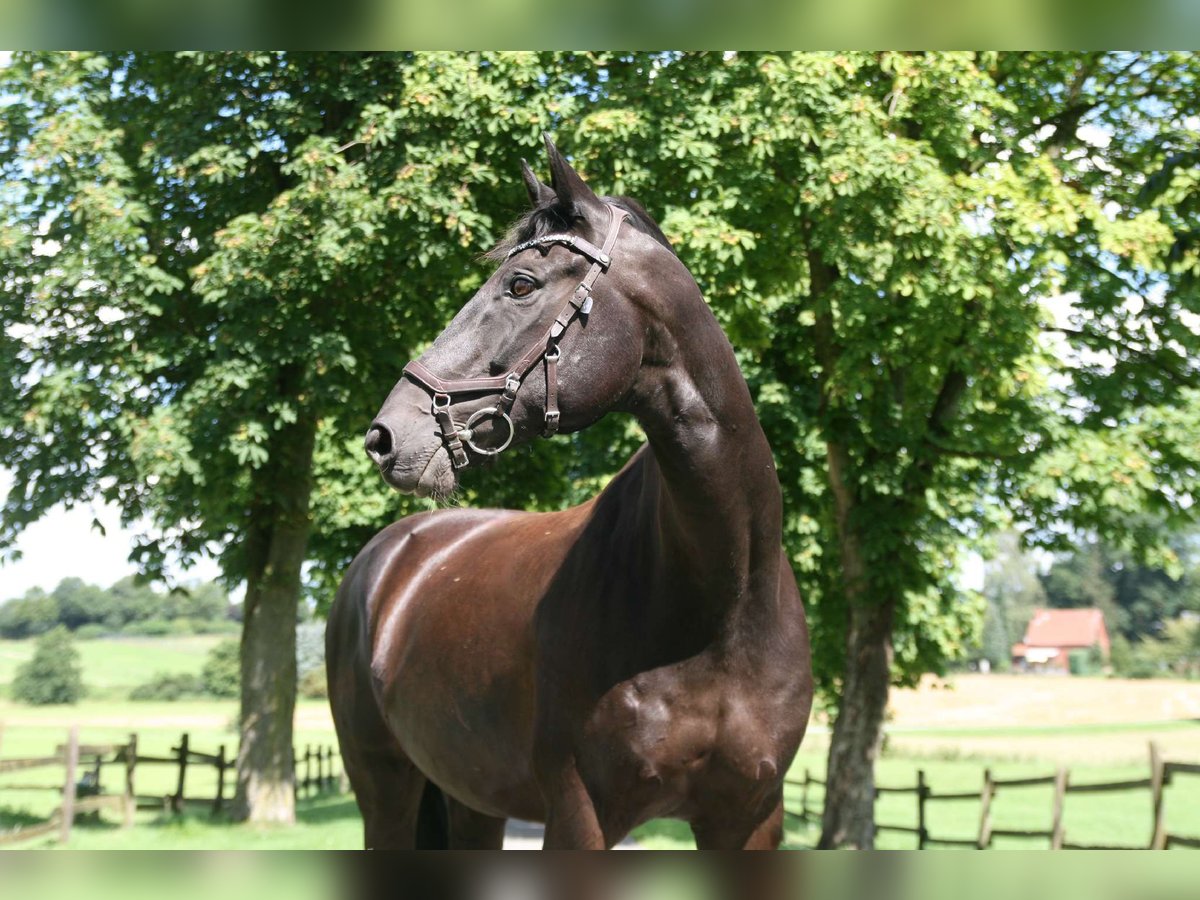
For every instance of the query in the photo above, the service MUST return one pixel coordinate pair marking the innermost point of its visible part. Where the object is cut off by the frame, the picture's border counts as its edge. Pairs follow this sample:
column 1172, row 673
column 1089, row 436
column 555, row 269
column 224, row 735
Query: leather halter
column 578, row 305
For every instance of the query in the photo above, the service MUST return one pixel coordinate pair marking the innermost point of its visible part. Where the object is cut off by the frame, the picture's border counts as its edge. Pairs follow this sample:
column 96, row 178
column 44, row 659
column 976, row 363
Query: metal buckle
column 466, row 434
column 445, row 404
column 553, row 353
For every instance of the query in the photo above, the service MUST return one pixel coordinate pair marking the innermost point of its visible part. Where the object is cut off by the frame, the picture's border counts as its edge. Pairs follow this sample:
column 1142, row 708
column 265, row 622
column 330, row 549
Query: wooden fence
column 314, row 768
column 1161, row 774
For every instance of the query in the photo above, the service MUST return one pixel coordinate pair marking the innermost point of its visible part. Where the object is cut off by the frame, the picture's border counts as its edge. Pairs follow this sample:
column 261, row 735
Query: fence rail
column 1161, row 774
column 319, row 775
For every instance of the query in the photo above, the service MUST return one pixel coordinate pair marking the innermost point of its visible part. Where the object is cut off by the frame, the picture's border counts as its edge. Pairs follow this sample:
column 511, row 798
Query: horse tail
column 433, row 819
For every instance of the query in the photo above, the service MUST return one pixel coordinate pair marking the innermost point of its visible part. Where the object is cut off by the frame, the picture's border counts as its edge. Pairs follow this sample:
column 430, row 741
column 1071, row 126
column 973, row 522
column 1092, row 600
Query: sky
column 64, row 544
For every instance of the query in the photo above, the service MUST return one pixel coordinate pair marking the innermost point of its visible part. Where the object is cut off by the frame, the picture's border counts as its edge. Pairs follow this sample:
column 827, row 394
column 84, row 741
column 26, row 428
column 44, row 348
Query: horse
column 643, row 655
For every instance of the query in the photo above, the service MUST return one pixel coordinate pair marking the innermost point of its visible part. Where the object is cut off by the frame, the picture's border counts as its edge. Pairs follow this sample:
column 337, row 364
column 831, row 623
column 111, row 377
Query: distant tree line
column 127, row 607
column 1152, row 611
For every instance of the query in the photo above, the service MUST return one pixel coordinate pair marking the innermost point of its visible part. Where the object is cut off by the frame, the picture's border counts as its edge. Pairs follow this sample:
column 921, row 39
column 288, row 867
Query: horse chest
column 669, row 736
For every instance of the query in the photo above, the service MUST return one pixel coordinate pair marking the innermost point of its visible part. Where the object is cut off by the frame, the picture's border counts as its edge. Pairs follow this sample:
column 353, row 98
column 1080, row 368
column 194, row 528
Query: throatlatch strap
column 551, row 392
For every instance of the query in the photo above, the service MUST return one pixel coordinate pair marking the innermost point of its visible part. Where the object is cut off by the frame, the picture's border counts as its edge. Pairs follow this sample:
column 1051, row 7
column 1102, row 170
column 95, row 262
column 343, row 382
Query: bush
column 168, row 686
column 222, row 673
column 1077, row 662
column 53, row 675
column 312, row 684
column 90, row 632
column 148, row 628
column 218, row 626
column 1142, row 667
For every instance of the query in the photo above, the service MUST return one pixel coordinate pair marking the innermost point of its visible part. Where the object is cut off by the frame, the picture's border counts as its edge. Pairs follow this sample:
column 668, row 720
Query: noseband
column 445, row 391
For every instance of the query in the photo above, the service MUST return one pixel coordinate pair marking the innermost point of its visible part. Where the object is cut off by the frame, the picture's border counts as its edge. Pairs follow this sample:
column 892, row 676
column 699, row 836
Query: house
column 1053, row 633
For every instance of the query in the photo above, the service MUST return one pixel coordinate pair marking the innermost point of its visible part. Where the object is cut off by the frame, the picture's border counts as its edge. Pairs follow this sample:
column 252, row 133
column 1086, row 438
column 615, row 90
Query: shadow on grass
column 320, row 810
column 327, row 809
column 12, row 818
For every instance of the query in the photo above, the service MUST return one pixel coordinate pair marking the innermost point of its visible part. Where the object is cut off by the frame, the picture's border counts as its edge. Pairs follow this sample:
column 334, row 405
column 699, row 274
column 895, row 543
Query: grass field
column 112, row 667
column 1017, row 726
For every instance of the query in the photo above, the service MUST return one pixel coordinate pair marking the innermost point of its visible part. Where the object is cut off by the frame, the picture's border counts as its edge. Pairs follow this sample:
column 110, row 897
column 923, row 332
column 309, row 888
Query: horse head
column 550, row 343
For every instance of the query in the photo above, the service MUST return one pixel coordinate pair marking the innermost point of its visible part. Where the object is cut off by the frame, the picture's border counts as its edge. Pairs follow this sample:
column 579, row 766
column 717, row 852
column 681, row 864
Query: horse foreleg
column 471, row 830
column 571, row 822
column 769, row 833
column 733, row 834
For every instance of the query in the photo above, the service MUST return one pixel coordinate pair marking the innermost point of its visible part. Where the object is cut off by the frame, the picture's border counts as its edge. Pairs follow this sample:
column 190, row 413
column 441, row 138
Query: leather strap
column 579, row 304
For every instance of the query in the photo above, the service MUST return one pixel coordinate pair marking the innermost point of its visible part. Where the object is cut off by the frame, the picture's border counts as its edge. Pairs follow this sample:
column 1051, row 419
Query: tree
column 238, row 251
column 1137, row 598
column 79, row 603
column 880, row 234
column 53, row 674
column 33, row 614
column 214, row 265
column 1013, row 591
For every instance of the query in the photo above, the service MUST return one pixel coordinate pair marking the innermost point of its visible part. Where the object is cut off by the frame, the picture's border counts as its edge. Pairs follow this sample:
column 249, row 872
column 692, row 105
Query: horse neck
column 716, row 500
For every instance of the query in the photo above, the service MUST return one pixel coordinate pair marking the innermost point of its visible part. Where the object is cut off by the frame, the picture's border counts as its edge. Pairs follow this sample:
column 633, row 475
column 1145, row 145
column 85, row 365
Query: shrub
column 218, row 626
column 90, row 632
column 148, row 628
column 1142, row 667
column 1077, row 662
column 312, row 685
column 222, row 673
column 169, row 686
column 53, row 674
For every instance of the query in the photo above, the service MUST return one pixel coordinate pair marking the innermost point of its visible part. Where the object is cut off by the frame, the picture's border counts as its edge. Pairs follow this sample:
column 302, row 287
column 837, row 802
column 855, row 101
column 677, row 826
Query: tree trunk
column 277, row 544
column 849, row 817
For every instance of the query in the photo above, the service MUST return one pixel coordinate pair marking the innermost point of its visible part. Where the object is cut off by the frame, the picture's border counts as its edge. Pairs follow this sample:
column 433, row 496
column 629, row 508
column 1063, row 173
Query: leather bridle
column 445, row 390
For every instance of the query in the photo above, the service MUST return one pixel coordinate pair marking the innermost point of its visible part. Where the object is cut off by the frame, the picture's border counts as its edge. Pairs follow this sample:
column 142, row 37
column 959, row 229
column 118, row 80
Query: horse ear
column 538, row 193
column 571, row 190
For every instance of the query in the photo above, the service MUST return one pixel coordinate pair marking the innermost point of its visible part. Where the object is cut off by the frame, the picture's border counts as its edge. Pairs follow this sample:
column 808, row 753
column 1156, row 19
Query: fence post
column 1158, row 779
column 328, row 767
column 130, row 793
column 308, row 768
column 1057, row 836
column 985, row 811
column 68, row 803
column 219, row 799
column 177, row 800
column 922, row 794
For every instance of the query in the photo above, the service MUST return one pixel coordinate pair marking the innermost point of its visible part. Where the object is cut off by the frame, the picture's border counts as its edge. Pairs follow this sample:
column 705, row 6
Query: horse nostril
column 379, row 444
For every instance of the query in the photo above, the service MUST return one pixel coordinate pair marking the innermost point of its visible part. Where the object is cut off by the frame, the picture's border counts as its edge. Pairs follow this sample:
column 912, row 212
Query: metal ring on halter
column 491, row 412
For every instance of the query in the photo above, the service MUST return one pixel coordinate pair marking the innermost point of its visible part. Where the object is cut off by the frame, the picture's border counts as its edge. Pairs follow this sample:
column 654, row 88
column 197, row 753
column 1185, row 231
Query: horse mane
column 551, row 218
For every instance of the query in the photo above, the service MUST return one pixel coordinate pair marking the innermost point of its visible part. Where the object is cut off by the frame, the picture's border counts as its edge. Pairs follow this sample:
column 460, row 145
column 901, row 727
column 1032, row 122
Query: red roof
column 1066, row 628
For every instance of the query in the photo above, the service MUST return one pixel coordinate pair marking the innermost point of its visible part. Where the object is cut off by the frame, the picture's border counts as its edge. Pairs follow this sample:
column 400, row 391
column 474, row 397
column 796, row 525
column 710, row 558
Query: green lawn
column 112, row 667
column 1118, row 818
column 1122, row 818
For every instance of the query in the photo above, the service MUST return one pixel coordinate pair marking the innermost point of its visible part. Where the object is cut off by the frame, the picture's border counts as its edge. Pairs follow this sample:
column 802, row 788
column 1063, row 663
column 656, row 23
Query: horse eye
column 521, row 286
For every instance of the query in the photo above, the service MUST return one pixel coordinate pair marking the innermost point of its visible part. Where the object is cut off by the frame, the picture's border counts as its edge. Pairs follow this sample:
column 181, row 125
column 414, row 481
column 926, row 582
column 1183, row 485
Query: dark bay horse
column 642, row 655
